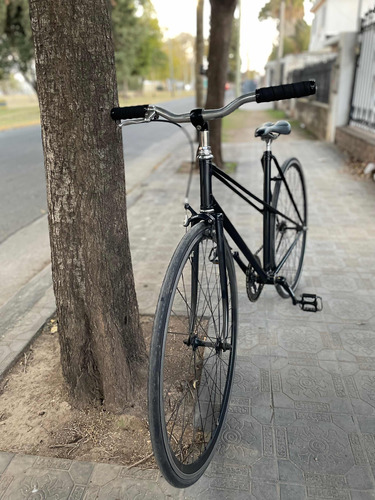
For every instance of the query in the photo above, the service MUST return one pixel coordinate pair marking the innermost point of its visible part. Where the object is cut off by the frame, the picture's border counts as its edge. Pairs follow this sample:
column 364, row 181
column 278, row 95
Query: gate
column 362, row 113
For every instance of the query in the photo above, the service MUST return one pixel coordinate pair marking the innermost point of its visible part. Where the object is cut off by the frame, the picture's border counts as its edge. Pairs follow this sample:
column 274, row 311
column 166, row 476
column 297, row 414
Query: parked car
column 248, row 86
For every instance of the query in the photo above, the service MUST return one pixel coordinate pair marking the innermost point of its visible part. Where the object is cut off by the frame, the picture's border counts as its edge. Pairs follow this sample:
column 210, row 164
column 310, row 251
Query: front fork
column 215, row 220
column 215, row 225
column 223, row 277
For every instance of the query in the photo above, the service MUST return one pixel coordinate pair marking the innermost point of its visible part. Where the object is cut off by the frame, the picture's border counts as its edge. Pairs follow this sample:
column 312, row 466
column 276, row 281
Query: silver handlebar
column 154, row 112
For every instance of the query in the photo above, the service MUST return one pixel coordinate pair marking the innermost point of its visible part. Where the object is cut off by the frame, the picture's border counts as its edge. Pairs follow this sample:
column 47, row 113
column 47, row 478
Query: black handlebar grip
column 128, row 112
column 300, row 89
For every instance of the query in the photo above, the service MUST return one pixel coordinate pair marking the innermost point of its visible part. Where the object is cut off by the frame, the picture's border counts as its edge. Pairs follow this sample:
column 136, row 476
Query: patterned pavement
column 301, row 424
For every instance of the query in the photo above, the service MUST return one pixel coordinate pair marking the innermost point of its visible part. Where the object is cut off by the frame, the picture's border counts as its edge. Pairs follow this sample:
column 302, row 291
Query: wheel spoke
column 285, row 235
column 197, row 371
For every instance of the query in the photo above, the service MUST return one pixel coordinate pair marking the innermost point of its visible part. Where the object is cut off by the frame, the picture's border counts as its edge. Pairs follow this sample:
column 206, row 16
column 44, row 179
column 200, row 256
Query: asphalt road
column 22, row 178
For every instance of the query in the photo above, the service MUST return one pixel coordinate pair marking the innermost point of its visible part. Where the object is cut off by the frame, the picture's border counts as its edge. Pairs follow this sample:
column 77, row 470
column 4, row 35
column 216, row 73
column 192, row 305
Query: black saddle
column 273, row 130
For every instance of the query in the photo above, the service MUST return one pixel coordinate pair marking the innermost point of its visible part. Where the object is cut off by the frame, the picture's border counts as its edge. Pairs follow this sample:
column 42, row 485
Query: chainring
column 253, row 288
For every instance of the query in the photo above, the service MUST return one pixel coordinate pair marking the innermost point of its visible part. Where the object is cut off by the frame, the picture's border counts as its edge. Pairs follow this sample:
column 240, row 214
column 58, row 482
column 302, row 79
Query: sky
column 256, row 37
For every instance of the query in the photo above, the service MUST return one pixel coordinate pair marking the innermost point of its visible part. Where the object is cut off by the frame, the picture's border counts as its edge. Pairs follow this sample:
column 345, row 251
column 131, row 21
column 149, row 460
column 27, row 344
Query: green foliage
column 178, row 48
column 138, row 40
column 293, row 10
column 295, row 44
column 16, row 44
column 232, row 63
column 297, row 31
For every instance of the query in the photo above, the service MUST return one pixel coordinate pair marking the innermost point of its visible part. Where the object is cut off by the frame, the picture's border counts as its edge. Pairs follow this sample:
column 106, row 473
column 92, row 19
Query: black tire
column 189, row 387
column 284, row 233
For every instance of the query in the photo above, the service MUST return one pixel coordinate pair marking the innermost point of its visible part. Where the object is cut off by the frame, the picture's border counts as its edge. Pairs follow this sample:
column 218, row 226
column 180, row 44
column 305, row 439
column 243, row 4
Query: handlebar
column 288, row 91
column 146, row 113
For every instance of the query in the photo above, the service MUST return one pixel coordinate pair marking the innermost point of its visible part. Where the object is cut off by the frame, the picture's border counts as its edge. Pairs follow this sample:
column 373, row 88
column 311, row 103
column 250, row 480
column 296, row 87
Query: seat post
column 269, row 144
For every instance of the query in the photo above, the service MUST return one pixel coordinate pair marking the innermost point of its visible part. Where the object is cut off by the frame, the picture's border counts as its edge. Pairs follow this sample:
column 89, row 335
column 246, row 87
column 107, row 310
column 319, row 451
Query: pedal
column 310, row 302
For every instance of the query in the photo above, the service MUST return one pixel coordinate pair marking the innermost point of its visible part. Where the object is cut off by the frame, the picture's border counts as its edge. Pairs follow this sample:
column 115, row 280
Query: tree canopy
column 294, row 11
column 16, row 44
column 137, row 38
column 297, row 31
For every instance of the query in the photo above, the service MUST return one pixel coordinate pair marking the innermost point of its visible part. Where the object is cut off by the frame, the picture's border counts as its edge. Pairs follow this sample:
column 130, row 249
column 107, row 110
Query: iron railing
column 362, row 113
column 321, row 73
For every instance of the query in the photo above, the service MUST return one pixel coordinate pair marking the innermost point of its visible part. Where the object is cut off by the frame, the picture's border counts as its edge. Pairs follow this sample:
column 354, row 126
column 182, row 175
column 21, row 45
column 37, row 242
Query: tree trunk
column 199, row 53
column 102, row 348
column 221, row 25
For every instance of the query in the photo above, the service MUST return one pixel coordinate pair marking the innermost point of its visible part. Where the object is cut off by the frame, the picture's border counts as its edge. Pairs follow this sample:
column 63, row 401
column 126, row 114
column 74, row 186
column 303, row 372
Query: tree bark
column 102, row 348
column 222, row 12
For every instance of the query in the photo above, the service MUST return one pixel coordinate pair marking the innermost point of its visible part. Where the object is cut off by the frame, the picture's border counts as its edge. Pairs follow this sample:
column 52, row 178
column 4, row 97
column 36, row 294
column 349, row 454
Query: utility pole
column 171, row 69
column 238, row 56
column 199, row 52
column 280, row 51
column 359, row 16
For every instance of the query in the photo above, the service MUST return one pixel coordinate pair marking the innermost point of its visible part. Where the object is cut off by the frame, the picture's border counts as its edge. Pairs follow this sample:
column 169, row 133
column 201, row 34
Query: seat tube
column 204, row 156
column 266, row 162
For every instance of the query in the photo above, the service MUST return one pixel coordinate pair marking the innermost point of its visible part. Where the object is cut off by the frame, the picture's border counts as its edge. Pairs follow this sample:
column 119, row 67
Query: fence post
column 345, row 76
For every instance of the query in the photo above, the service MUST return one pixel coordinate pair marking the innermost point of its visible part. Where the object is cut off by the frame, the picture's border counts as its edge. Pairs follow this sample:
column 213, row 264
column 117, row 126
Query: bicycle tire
column 283, row 234
column 191, row 385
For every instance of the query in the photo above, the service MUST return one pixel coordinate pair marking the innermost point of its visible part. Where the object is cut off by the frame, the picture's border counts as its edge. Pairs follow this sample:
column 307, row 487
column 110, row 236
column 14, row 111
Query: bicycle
column 193, row 346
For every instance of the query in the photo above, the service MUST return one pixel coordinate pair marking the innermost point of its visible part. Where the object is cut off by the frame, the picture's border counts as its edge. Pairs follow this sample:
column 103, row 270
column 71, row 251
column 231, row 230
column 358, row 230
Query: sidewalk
column 302, row 414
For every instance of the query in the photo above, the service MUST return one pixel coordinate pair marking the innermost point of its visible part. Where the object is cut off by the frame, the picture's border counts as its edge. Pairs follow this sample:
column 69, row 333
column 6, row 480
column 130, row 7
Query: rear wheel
column 192, row 357
column 285, row 233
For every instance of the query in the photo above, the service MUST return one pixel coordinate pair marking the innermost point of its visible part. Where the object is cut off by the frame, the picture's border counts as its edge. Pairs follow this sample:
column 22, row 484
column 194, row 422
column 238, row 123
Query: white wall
column 333, row 17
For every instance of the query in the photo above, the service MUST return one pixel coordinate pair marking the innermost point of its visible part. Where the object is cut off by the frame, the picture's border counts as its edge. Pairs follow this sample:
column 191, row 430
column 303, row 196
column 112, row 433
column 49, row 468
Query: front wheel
column 289, row 232
column 192, row 357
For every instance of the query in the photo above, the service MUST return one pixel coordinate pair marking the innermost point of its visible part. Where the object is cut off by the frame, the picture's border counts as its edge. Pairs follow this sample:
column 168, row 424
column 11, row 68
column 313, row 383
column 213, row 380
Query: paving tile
column 241, row 440
column 80, row 472
column 36, row 484
column 5, row 459
column 20, row 464
column 327, row 486
column 362, row 495
column 304, row 381
column 290, row 473
column 264, row 491
column 252, row 381
column 360, row 478
column 104, row 473
column 320, row 448
column 292, row 492
column 266, row 468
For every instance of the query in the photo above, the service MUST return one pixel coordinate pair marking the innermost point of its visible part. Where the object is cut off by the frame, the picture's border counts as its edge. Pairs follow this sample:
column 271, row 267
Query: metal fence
column 321, row 73
column 362, row 112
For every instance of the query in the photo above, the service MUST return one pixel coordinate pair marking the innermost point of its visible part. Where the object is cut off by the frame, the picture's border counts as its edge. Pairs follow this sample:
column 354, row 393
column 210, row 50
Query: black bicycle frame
column 209, row 205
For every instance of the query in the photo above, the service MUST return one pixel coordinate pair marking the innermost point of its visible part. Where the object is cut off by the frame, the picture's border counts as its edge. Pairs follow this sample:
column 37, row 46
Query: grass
column 230, row 167
column 278, row 114
column 23, row 110
column 19, row 110
column 233, row 122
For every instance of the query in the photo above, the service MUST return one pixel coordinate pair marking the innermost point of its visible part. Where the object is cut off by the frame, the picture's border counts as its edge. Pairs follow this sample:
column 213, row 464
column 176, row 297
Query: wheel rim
column 286, row 232
column 195, row 390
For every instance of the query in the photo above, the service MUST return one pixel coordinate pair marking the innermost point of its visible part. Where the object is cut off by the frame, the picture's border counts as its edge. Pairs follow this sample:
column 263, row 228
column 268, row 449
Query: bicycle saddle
column 269, row 130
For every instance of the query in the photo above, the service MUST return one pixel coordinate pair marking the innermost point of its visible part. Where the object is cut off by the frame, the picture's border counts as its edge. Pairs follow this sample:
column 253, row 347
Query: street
column 23, row 186
column 26, row 296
